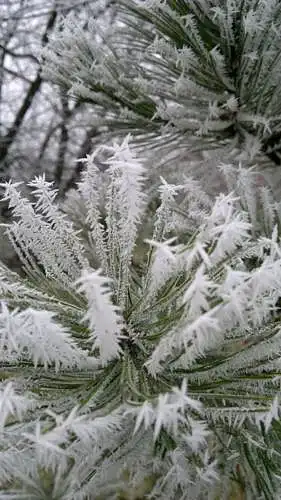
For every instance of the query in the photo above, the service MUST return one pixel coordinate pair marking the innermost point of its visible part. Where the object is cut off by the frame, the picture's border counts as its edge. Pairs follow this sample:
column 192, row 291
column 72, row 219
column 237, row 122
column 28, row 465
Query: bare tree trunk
column 63, row 140
column 85, row 149
column 8, row 139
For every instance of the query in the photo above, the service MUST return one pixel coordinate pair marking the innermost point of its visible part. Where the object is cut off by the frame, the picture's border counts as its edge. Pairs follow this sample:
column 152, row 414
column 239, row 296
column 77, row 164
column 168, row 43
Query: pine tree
column 196, row 75
column 138, row 369
column 157, row 377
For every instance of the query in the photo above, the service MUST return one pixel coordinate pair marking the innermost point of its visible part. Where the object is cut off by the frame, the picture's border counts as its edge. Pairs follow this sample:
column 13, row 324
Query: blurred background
column 42, row 129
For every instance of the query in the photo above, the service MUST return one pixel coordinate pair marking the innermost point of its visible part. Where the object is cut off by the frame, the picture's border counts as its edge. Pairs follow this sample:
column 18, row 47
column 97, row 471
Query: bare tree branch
column 16, row 55
column 17, row 75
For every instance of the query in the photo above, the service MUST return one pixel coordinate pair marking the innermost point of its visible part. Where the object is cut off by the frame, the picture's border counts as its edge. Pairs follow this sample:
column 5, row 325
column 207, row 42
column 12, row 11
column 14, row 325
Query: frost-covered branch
column 160, row 374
